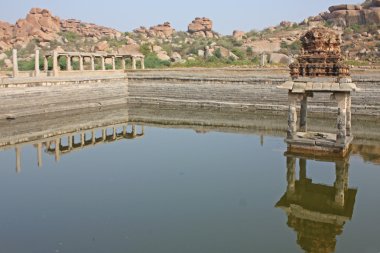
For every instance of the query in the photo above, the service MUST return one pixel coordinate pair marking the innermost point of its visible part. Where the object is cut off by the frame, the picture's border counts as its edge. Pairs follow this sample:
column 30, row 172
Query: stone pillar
column 15, row 63
column 93, row 137
column 70, row 140
column 133, row 130
column 103, row 63
column 348, row 125
column 291, row 174
column 37, row 63
column 142, row 130
column 133, row 62
column 113, row 63
column 114, row 133
column 263, row 59
column 57, row 149
column 303, row 165
column 303, row 114
column 124, row 131
column 46, row 64
column 292, row 116
column 342, row 117
column 81, row 63
column 92, row 63
column 68, row 63
column 18, row 159
column 82, row 139
column 39, row 154
column 55, row 63
column 341, row 182
column 104, row 132
column 122, row 63
column 142, row 61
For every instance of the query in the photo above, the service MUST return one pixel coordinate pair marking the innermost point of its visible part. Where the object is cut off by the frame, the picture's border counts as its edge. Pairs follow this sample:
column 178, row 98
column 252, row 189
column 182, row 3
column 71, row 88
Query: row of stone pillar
column 70, row 140
column 69, row 63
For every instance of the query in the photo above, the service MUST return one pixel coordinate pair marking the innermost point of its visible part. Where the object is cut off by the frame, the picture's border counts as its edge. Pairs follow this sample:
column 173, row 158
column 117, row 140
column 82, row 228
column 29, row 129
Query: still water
column 176, row 190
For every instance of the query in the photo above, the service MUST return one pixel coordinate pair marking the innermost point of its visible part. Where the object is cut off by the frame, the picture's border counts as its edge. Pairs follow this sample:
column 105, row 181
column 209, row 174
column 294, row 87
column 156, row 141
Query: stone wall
column 247, row 90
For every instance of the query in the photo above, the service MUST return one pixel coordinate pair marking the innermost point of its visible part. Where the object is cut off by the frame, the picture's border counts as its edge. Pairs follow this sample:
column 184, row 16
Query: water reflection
column 77, row 141
column 317, row 212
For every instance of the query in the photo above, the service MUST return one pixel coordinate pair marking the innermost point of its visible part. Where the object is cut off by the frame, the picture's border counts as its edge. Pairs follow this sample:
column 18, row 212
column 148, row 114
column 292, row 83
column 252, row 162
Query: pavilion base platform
column 319, row 144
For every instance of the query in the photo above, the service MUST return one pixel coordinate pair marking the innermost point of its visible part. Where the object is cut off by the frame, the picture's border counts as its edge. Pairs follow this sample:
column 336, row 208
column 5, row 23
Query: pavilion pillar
column 303, row 174
column 18, row 159
column 55, row 63
column 37, row 63
column 81, row 63
column 133, row 130
column 46, row 64
column 142, row 130
column 142, row 61
column 133, row 62
column 39, row 154
column 124, row 131
column 113, row 63
column 68, row 63
column 342, row 117
column 122, row 63
column 92, row 63
column 341, row 182
column 292, row 116
column 348, row 125
column 303, row 114
column 15, row 63
column 103, row 63
column 291, row 174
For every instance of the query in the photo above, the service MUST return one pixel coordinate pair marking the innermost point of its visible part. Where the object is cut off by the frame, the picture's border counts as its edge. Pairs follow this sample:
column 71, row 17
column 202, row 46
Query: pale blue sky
column 125, row 15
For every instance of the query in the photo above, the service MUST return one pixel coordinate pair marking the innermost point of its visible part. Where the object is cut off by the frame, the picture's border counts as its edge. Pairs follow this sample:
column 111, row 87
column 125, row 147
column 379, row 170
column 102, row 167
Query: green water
column 176, row 190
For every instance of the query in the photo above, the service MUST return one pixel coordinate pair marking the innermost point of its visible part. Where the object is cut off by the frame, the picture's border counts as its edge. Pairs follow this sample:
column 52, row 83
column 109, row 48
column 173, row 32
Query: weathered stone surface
column 277, row 58
column 176, row 57
column 132, row 49
column 201, row 27
column 102, row 46
column 347, row 15
column 238, row 34
column 344, row 7
column 162, row 55
column 164, row 31
column 320, row 57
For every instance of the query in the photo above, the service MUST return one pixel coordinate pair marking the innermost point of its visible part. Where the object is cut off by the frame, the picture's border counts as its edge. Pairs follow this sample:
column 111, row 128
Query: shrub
column 218, row 53
column 152, row 61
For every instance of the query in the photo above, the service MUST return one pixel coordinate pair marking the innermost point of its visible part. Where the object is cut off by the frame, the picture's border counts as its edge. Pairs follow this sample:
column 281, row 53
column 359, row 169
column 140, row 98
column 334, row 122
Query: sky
column 126, row 15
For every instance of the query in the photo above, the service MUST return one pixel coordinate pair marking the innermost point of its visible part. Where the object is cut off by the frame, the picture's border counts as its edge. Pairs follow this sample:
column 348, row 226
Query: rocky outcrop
column 164, row 31
column 238, row 34
column 346, row 14
column 40, row 24
column 6, row 34
column 201, row 27
column 88, row 29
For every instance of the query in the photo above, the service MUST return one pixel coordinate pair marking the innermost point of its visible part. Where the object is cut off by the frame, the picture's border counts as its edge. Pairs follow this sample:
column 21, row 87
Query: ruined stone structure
column 319, row 69
column 81, row 56
column 320, row 57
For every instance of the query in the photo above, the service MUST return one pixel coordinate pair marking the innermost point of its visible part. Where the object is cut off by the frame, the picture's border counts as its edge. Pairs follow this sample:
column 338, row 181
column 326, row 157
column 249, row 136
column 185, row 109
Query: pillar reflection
column 317, row 212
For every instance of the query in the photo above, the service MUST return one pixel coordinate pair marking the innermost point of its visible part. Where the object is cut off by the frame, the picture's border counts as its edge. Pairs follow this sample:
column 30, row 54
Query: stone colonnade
column 86, row 139
column 343, row 119
column 55, row 55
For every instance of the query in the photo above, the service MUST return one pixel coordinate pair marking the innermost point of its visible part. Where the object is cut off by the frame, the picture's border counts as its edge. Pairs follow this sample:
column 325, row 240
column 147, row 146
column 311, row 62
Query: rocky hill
column 200, row 45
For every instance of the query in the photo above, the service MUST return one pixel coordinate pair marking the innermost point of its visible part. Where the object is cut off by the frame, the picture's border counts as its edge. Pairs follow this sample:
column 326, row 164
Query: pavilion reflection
column 317, row 212
column 59, row 145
